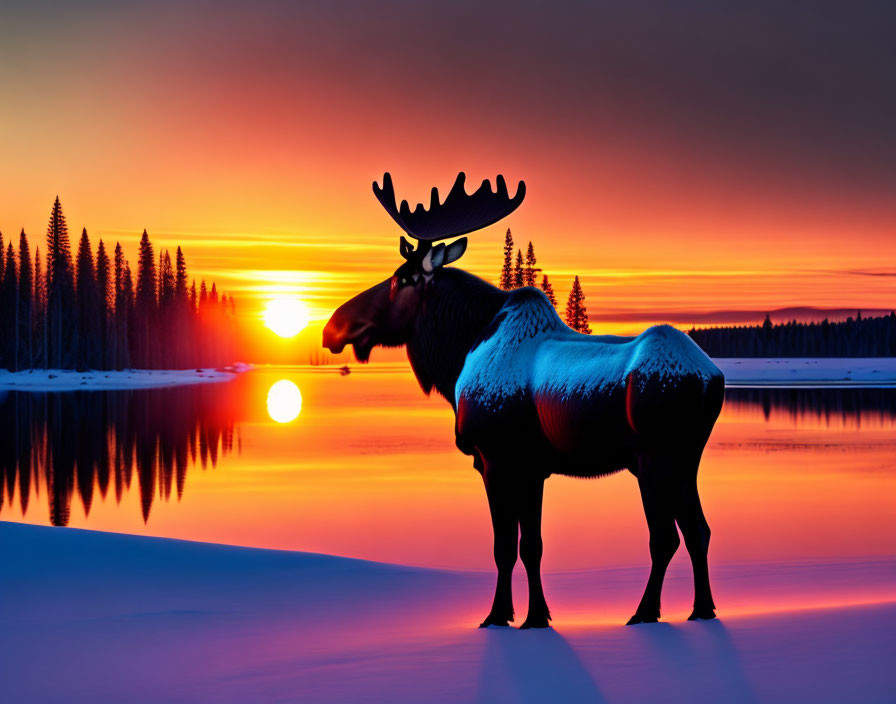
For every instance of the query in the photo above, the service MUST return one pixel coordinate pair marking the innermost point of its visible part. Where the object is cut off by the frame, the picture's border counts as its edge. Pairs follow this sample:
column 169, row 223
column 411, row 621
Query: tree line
column 522, row 271
column 853, row 337
column 89, row 313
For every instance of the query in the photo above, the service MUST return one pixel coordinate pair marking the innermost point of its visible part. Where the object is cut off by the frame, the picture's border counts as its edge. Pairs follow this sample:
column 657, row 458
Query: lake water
column 364, row 465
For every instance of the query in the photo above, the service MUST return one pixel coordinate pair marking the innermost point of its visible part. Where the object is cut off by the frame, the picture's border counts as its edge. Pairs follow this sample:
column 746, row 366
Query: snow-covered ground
column 845, row 372
column 101, row 617
column 67, row 380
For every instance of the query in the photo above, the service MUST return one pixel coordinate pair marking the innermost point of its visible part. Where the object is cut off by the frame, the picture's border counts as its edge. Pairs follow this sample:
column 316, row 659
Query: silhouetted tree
column 131, row 315
column 40, row 312
column 9, row 313
column 105, row 303
column 519, row 278
column 530, row 271
column 144, row 350
column 182, row 317
column 506, row 281
column 576, row 313
column 121, row 358
column 25, row 332
column 548, row 290
column 165, row 318
column 60, row 289
column 87, row 333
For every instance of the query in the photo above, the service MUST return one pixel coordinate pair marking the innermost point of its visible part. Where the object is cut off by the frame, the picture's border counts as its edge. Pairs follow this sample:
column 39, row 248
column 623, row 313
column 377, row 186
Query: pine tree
column 40, row 312
column 182, row 318
column 144, row 351
column 518, row 272
column 166, row 310
column 576, row 313
column 9, row 313
column 506, row 282
column 180, row 277
column 166, row 280
column 120, row 346
column 548, row 290
column 530, row 271
column 86, row 296
column 193, row 326
column 130, row 303
column 25, row 332
column 104, row 303
column 60, row 289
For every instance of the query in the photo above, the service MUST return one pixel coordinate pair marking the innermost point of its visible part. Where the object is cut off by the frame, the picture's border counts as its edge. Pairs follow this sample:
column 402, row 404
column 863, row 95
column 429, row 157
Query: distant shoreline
column 40, row 380
column 740, row 373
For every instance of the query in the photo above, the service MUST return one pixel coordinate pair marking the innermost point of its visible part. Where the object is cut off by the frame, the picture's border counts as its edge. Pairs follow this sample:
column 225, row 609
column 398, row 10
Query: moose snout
column 335, row 330
column 342, row 330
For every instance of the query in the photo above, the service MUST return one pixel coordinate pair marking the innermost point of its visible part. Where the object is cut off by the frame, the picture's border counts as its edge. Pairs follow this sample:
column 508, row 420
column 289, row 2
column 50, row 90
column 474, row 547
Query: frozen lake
column 364, row 465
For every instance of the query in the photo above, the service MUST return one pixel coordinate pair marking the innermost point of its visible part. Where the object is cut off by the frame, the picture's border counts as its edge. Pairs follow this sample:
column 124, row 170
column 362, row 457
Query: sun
column 287, row 317
column 284, row 401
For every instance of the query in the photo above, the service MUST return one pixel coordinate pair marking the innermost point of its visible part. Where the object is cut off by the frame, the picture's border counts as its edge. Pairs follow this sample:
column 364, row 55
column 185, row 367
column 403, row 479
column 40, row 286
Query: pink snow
column 102, row 617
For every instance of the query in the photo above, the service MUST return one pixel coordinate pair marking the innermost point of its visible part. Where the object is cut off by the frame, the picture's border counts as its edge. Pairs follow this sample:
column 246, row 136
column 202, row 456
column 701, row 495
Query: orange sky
column 739, row 159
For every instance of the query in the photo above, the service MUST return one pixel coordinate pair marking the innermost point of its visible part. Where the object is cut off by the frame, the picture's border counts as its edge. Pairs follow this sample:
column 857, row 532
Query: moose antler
column 458, row 215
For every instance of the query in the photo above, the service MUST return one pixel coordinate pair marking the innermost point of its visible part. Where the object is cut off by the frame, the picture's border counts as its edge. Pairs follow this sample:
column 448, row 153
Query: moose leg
column 531, row 548
column 506, row 529
column 695, row 529
column 658, row 499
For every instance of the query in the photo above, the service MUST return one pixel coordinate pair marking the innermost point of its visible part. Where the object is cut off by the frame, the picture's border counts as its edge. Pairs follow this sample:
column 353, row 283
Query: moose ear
column 405, row 248
column 434, row 259
column 455, row 251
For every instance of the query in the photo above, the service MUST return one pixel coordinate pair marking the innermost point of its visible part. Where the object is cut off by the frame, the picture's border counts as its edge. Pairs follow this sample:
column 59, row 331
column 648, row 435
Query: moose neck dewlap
column 456, row 309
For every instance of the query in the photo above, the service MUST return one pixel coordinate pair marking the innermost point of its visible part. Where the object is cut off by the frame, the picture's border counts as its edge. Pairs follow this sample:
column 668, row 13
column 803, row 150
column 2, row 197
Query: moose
column 533, row 398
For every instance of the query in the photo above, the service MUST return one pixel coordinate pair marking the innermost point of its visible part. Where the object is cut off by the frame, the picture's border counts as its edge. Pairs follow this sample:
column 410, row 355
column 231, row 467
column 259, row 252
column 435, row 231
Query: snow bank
column 801, row 372
column 67, row 380
column 98, row 617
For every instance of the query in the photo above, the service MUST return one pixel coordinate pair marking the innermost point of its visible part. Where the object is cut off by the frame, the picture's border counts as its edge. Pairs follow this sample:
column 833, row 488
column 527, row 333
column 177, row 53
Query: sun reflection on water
column 284, row 401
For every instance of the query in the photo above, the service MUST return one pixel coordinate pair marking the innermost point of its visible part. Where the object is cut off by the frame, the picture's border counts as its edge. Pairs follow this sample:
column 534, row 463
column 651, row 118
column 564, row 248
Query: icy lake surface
column 365, row 466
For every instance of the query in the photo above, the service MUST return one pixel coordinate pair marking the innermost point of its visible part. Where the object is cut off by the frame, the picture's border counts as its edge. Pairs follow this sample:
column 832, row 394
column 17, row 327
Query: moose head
column 385, row 313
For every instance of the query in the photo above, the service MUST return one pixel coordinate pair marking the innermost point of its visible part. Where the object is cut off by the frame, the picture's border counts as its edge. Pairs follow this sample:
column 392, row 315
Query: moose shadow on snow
column 542, row 668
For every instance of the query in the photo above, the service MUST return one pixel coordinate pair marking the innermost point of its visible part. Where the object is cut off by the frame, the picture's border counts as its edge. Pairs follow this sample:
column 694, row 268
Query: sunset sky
column 693, row 163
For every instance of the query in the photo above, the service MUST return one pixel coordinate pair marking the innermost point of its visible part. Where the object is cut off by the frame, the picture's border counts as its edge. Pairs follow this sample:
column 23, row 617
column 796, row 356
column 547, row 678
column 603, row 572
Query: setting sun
column 287, row 317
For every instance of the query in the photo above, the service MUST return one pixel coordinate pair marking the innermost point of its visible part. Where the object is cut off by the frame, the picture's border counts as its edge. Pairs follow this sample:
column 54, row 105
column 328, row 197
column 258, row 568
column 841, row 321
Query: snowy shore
column 101, row 617
column 68, row 380
column 800, row 372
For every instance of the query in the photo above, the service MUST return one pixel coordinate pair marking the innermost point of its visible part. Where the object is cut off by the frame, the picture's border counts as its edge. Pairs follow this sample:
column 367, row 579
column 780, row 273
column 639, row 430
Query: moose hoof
column 643, row 618
column 535, row 622
column 492, row 620
column 702, row 614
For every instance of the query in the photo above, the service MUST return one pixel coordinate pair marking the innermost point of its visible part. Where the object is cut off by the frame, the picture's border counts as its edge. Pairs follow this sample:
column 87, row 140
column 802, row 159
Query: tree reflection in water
column 831, row 406
column 71, row 444
column 83, row 442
